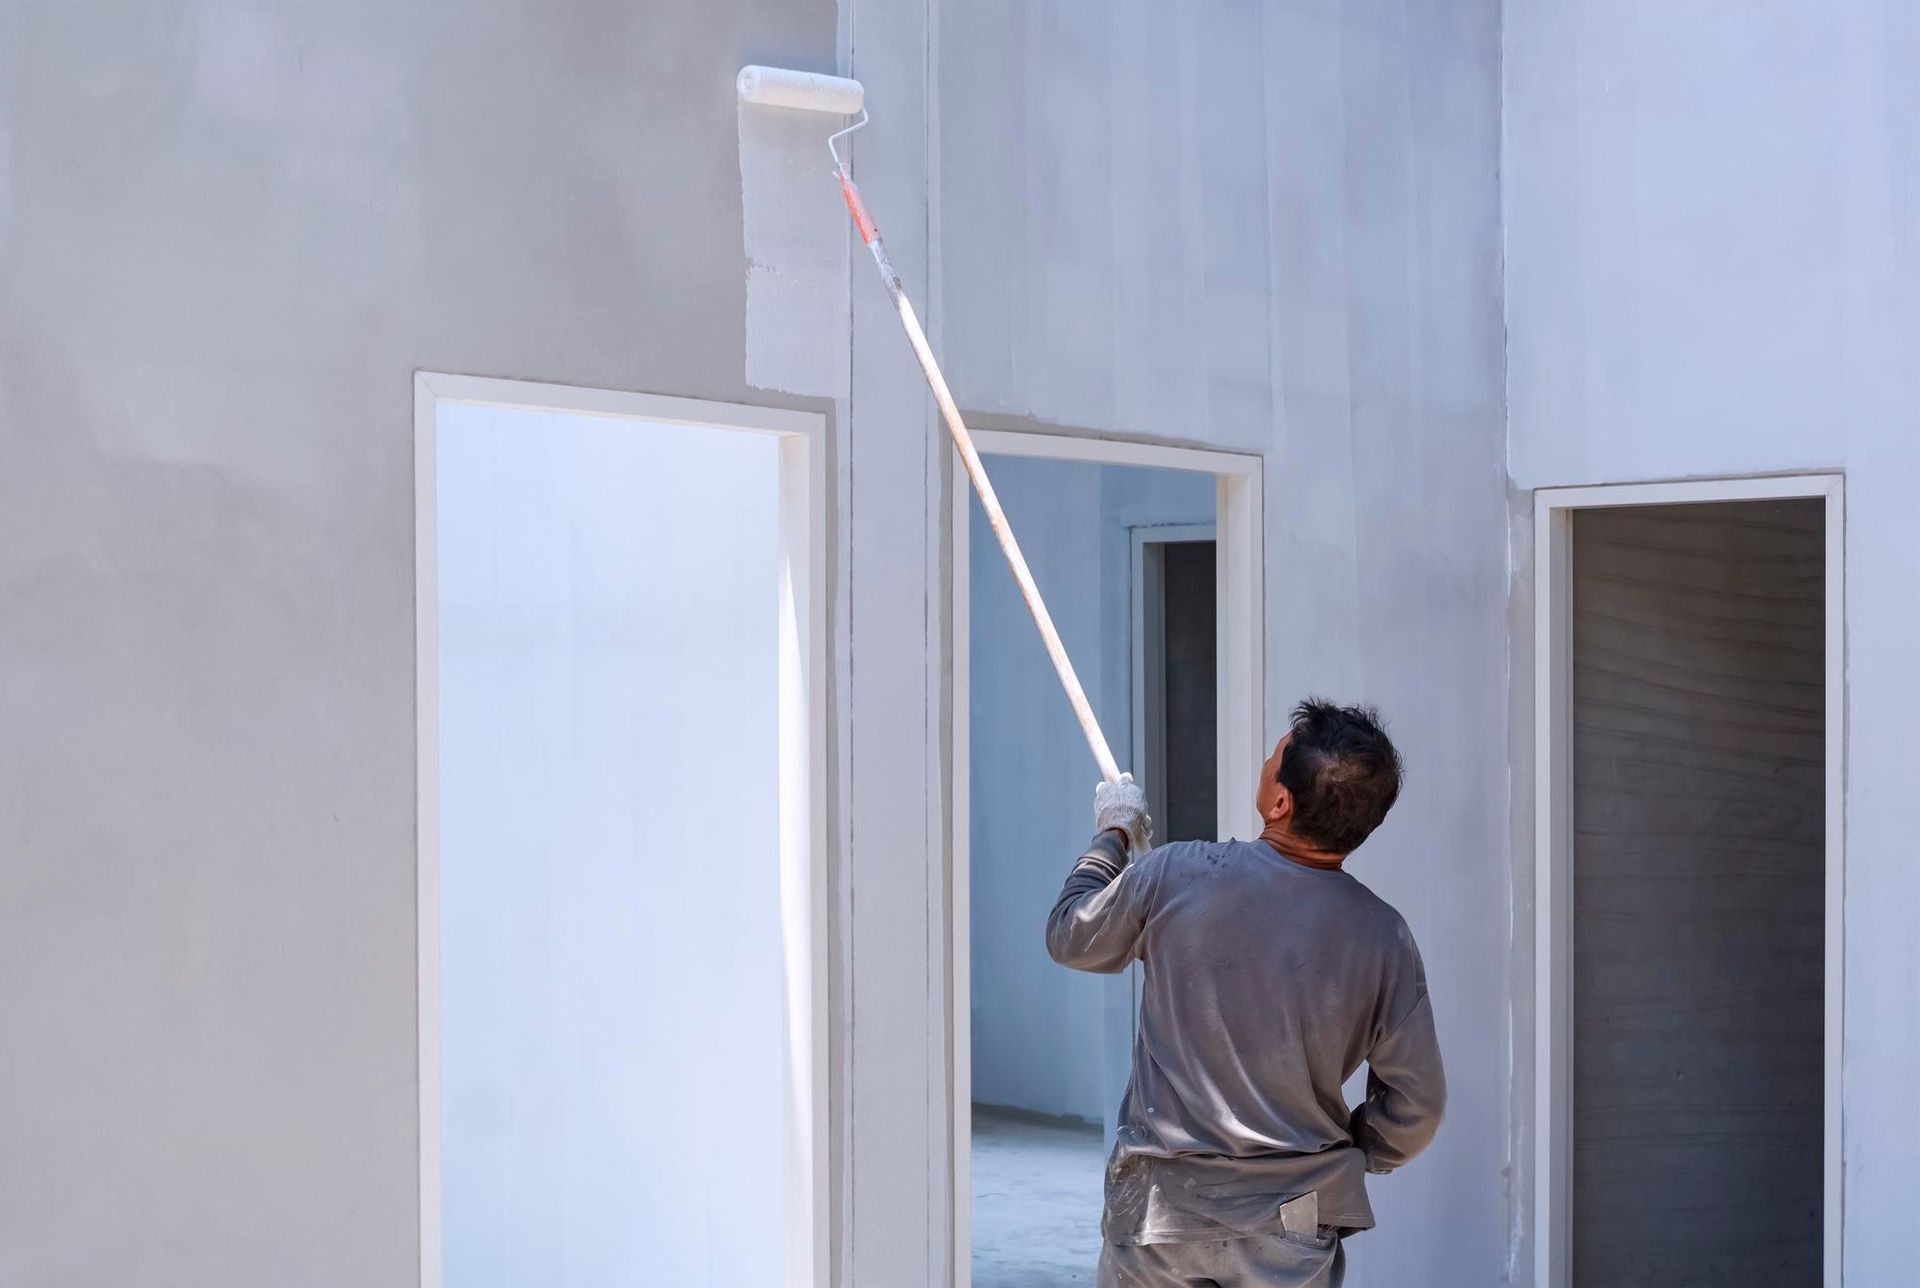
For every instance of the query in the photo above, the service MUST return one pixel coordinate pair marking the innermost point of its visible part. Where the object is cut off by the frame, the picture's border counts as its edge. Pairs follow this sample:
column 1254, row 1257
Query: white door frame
column 1553, row 836
column 1240, row 698
column 1149, row 702
column 802, row 773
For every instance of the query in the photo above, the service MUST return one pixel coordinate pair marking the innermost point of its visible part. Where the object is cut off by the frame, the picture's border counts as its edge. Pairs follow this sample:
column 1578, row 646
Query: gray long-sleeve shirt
column 1267, row 983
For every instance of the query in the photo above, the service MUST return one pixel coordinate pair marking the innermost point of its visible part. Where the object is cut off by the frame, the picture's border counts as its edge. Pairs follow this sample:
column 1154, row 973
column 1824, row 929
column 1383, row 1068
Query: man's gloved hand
column 1122, row 806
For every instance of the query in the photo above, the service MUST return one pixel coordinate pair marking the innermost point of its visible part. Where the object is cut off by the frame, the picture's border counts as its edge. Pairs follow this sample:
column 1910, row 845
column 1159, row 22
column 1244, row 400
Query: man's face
column 1270, row 798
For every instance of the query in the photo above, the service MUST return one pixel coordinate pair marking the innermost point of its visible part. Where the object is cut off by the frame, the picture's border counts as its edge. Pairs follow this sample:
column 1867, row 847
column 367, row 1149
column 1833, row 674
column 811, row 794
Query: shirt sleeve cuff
column 1109, row 850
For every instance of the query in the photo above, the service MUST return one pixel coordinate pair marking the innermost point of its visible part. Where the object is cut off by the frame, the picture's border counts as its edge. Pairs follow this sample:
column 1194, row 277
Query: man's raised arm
column 1096, row 922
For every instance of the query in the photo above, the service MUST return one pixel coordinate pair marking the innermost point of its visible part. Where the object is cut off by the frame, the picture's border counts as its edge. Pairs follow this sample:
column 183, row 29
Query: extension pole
column 1062, row 664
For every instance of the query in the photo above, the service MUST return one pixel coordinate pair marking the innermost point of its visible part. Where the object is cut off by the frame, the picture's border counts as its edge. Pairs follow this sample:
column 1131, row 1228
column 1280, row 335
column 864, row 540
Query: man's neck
column 1290, row 848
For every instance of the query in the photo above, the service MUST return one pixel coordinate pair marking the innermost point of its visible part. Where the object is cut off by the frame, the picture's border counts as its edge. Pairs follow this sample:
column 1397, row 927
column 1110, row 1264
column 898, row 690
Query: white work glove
column 1122, row 806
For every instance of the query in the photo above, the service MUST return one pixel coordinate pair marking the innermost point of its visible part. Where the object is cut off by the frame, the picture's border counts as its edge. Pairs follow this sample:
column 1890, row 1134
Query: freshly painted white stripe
column 794, row 235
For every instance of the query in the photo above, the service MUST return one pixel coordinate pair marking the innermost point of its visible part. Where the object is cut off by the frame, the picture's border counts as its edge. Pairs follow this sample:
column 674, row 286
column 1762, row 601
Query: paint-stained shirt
column 1267, row 983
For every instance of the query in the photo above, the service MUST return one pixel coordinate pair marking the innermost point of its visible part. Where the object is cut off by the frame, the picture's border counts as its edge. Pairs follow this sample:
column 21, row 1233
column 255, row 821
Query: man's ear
column 1279, row 804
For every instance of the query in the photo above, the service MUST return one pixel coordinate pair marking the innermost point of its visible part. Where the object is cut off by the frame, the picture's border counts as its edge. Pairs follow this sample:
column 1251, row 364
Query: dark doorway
column 1698, row 893
column 1178, row 657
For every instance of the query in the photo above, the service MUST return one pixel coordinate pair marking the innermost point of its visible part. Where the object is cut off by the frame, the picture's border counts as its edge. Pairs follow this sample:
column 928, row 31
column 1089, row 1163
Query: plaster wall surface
column 1713, row 268
column 229, row 233
column 1047, row 1039
column 231, row 230
column 1274, row 227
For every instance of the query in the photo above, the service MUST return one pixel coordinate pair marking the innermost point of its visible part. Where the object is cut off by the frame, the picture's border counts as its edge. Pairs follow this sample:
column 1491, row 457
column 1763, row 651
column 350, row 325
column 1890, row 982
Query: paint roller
column 780, row 87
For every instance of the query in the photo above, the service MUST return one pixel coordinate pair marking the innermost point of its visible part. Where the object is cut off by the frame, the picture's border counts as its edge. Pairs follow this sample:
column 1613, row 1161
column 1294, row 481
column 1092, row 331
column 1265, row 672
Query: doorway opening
column 1175, row 671
column 621, row 906
column 1149, row 559
column 1690, row 884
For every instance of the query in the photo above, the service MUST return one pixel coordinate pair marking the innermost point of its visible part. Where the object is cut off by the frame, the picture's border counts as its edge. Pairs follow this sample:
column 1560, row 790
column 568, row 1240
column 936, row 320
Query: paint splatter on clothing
column 1267, row 984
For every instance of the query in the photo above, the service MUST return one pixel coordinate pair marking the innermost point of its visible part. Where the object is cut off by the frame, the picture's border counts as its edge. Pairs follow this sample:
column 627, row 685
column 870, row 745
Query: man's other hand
column 1122, row 806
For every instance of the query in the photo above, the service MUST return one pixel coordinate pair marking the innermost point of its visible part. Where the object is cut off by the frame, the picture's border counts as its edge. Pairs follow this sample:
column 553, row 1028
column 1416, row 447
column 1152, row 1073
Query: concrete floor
column 1036, row 1200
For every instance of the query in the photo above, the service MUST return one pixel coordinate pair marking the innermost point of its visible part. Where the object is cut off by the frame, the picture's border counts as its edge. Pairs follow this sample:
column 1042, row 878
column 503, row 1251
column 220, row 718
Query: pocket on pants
column 1322, row 1238
column 1283, row 1259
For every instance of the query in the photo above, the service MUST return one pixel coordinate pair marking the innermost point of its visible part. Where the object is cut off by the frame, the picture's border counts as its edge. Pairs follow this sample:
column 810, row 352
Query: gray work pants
column 1277, row 1260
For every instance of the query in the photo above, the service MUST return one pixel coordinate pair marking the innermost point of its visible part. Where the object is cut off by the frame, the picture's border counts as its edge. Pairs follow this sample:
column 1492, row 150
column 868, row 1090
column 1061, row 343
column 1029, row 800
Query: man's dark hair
column 1343, row 772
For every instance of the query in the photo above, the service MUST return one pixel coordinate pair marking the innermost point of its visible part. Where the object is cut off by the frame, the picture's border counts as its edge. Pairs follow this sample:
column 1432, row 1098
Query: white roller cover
column 805, row 91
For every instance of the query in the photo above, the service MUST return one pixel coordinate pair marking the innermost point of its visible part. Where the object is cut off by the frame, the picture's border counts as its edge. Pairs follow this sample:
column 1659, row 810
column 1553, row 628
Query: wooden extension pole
column 1062, row 664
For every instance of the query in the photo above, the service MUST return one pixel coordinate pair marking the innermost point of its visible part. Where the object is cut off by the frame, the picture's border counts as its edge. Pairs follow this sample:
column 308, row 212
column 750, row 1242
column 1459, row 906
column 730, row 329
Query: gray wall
column 232, row 230
column 1047, row 1039
column 1712, row 269
column 229, row 232
column 1110, row 261
column 1699, row 861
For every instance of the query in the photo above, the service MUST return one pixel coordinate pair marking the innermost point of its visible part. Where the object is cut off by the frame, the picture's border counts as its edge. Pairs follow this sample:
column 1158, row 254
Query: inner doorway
column 1148, row 602
column 1175, row 666
column 1690, row 887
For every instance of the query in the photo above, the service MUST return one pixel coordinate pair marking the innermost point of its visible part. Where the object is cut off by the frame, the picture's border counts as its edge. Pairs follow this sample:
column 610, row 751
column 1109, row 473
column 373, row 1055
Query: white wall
column 612, row 1034
column 1045, row 1038
column 1713, row 269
